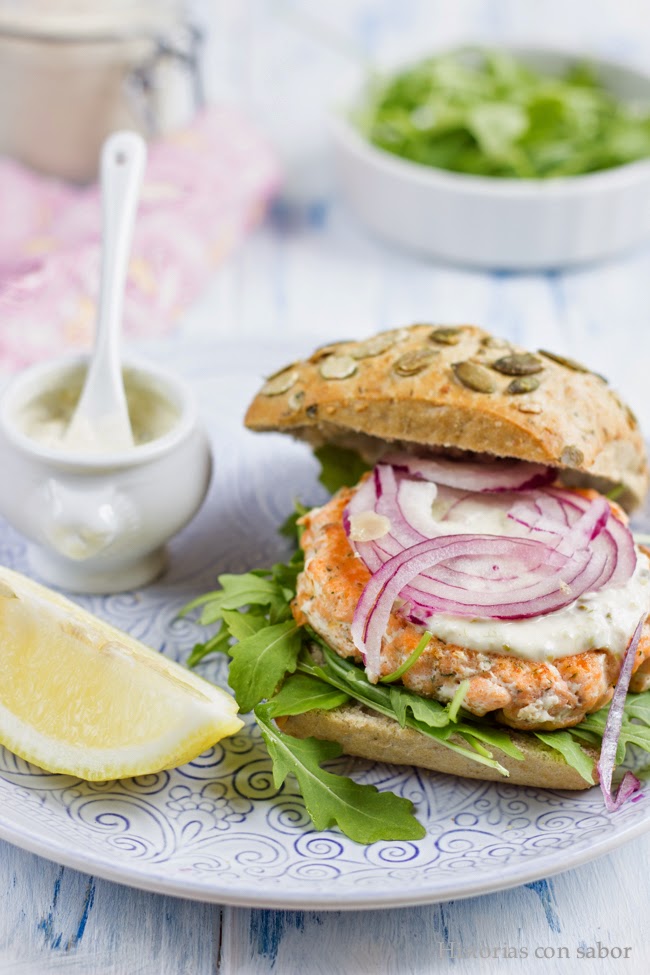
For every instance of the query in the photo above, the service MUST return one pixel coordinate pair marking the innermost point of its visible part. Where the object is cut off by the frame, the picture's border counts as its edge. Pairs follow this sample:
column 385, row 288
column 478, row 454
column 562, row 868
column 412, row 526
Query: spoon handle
column 101, row 418
column 122, row 168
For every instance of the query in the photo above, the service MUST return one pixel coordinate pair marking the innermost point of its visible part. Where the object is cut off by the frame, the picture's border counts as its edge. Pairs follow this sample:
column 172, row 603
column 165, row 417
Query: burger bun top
column 457, row 389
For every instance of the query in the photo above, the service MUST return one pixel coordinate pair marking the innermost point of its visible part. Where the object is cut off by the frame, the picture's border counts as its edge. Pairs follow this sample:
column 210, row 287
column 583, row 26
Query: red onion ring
column 568, row 545
column 607, row 761
column 500, row 475
column 374, row 608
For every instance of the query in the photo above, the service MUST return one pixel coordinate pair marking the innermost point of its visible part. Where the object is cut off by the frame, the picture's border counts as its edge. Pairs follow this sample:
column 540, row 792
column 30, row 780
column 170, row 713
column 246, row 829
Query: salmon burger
column 484, row 559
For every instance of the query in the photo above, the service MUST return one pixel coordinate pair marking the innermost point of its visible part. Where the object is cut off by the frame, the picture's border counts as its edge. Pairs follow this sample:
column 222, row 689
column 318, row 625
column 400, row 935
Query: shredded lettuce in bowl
column 488, row 113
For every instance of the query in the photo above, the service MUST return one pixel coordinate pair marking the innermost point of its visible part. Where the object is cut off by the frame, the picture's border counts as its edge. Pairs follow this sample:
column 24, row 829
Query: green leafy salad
column 489, row 114
column 274, row 672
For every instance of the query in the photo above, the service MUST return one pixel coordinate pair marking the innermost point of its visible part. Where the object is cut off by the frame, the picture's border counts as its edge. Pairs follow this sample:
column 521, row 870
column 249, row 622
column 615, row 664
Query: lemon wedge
column 81, row 697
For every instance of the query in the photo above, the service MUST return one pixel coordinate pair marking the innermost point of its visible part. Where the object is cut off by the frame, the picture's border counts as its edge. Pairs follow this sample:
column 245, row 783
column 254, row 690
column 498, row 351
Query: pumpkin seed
column 295, row 400
column 474, row 376
column 518, row 364
column 529, row 407
column 572, row 456
column 400, row 334
column 280, row 382
column 374, row 346
column 324, row 351
column 338, row 367
column 414, row 362
column 494, row 342
column 523, row 384
column 564, row 361
column 446, row 336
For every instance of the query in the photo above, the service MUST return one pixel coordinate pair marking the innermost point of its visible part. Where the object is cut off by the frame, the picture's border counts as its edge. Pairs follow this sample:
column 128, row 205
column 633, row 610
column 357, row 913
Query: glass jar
column 70, row 76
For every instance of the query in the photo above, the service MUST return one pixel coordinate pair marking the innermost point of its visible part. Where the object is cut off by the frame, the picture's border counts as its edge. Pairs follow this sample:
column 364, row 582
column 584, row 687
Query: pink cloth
column 204, row 187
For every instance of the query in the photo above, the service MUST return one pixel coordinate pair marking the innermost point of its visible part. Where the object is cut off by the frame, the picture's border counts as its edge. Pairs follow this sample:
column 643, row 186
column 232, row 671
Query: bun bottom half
column 366, row 734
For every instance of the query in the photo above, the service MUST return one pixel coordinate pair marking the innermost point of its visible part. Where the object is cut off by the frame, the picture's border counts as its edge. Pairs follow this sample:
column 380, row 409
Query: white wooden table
column 312, row 274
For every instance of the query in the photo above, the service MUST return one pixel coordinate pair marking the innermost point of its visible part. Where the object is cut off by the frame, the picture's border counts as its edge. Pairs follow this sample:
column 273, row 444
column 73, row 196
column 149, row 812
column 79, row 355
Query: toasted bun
column 440, row 388
column 368, row 735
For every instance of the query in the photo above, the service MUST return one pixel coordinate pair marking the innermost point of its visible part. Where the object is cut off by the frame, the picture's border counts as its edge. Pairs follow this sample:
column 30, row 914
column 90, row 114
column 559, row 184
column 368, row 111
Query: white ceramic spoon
column 100, row 422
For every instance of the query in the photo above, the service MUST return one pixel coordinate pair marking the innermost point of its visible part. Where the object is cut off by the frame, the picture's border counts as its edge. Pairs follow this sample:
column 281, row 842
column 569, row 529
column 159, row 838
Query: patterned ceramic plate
column 217, row 829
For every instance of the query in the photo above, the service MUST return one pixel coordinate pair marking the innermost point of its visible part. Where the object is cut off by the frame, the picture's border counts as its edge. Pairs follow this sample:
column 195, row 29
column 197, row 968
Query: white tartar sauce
column 605, row 619
column 47, row 416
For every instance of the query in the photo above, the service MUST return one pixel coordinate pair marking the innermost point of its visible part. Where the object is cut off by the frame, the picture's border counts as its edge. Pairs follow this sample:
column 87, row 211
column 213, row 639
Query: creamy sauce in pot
column 46, row 417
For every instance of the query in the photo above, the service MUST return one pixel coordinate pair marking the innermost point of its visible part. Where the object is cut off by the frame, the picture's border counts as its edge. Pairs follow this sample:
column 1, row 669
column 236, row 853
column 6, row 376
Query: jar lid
column 93, row 20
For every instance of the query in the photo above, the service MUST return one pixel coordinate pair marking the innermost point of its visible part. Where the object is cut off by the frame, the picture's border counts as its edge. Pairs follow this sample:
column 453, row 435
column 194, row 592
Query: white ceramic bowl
column 98, row 523
column 523, row 224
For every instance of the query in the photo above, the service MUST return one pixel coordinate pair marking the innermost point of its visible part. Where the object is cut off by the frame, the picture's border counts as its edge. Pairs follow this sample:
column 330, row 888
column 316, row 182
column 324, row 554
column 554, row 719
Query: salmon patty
column 524, row 694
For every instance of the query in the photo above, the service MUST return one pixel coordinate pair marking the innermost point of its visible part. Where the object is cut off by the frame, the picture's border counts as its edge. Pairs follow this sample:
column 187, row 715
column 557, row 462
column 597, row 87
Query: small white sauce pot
column 99, row 522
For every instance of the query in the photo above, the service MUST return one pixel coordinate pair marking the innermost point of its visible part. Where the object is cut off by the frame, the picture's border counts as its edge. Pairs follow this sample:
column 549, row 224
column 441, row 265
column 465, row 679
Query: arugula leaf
column 588, row 737
column 360, row 811
column 457, row 700
column 423, row 709
column 340, row 467
column 254, row 609
column 290, row 527
column 300, row 693
column 638, row 706
column 497, row 126
column 286, row 574
column 269, row 640
column 260, row 661
column 632, row 733
column 571, row 751
column 219, row 643
column 397, row 674
column 346, row 676
column 481, row 730
column 244, row 624
column 635, row 730
column 487, row 113
column 616, row 492
column 236, row 591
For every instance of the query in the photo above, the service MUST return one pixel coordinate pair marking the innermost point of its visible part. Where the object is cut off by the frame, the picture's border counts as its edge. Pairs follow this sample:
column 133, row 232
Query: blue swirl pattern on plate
column 217, row 829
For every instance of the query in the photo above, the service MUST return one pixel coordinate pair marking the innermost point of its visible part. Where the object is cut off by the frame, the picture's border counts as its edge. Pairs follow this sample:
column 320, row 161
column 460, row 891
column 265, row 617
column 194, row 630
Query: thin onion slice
column 555, row 518
column 374, row 608
column 607, row 761
column 382, row 493
column 566, row 545
column 472, row 585
column 504, row 475
column 616, row 535
column 588, row 526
